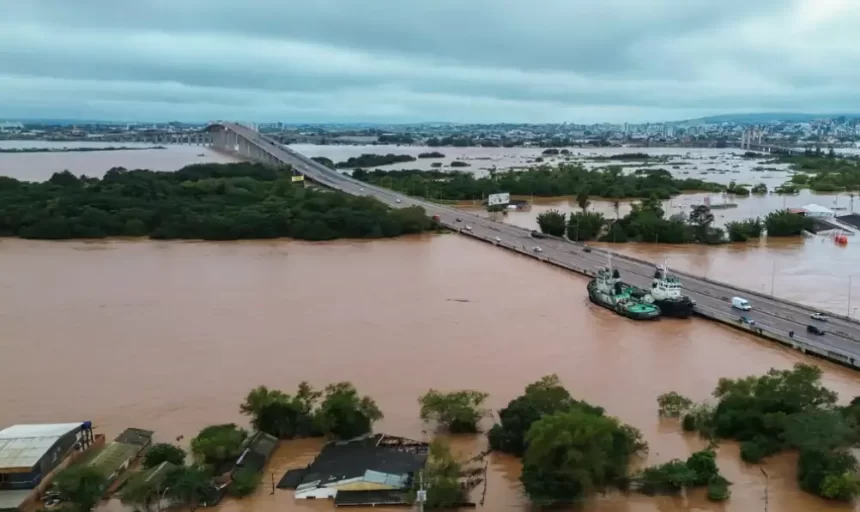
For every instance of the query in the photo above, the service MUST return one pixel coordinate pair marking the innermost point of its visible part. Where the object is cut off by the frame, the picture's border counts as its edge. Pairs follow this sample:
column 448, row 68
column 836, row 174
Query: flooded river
column 171, row 335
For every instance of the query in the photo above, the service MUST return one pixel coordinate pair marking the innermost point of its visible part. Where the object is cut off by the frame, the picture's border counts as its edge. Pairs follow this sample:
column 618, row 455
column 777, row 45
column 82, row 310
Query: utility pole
column 421, row 496
column 763, row 472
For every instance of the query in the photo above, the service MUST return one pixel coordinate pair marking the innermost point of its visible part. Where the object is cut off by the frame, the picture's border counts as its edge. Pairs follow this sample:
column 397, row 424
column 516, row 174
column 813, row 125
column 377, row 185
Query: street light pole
column 849, row 296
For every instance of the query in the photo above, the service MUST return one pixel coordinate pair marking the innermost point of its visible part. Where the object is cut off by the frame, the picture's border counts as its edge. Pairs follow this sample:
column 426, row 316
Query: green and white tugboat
column 607, row 290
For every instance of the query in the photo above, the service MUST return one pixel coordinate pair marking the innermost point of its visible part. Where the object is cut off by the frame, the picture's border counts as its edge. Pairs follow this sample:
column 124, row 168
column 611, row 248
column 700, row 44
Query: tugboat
column 607, row 290
column 666, row 294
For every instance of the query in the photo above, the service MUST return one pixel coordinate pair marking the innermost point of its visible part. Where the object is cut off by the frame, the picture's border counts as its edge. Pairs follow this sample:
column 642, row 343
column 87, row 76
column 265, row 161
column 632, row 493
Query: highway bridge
column 774, row 318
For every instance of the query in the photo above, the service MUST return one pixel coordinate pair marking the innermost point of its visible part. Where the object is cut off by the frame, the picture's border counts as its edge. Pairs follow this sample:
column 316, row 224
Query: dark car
column 814, row 329
column 537, row 234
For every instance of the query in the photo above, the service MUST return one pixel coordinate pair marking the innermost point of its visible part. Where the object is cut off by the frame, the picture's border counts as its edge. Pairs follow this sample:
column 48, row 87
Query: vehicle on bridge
column 746, row 320
column 821, row 317
column 537, row 234
column 741, row 303
column 815, row 330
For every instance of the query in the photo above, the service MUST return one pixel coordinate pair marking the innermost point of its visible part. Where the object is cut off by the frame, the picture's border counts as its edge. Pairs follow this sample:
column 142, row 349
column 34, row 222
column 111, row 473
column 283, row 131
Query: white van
column 739, row 303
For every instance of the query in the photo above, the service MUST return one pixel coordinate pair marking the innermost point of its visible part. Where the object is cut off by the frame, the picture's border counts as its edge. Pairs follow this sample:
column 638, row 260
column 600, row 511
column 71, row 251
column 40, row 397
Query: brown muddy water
column 171, row 335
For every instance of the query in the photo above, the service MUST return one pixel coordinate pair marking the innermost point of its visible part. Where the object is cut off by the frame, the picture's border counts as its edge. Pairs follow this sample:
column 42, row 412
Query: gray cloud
column 446, row 60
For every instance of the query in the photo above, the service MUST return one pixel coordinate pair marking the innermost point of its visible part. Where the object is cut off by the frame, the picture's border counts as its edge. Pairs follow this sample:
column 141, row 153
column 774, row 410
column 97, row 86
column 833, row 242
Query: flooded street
column 170, row 336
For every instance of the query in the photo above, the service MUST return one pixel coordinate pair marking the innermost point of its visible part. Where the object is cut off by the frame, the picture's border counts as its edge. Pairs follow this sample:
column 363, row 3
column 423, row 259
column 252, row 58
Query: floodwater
column 40, row 166
column 169, row 336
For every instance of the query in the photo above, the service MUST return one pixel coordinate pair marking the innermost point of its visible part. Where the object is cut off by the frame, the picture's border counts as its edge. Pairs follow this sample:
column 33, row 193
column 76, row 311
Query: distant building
column 813, row 210
column 369, row 470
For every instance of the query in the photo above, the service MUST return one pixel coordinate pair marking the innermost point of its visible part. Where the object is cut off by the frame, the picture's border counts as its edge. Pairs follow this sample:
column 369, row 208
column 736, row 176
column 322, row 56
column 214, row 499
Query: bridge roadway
column 713, row 299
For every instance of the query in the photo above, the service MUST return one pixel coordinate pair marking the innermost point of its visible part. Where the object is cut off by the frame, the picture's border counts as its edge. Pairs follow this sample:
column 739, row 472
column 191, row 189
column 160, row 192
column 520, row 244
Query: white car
column 537, row 249
column 399, row 201
column 498, row 239
column 468, row 228
column 820, row 317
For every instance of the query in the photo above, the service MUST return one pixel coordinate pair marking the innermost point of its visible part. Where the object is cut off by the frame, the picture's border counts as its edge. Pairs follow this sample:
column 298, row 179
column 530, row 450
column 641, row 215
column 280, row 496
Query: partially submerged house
column 370, row 470
column 29, row 453
column 258, row 450
column 116, row 457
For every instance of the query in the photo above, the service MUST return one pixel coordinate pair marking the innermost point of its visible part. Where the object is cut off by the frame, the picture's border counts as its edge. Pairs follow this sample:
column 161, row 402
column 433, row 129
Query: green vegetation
column 784, row 409
column 457, row 411
column 442, row 476
column 191, row 486
column 626, row 157
column 824, row 172
column 431, row 154
column 760, row 189
column 80, row 486
column 325, row 161
column 206, row 201
column 373, row 160
column 552, row 222
column 281, row 415
column 217, row 446
column 576, row 453
column 672, row 405
column 583, row 226
column 699, row 470
column 244, row 482
column 785, row 223
column 570, row 449
column 738, row 190
column 163, row 452
column 787, row 188
column 543, row 181
column 342, row 414
column 741, row 231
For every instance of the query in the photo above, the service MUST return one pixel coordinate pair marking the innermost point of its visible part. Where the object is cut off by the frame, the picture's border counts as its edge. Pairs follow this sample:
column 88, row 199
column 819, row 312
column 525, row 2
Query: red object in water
column 840, row 239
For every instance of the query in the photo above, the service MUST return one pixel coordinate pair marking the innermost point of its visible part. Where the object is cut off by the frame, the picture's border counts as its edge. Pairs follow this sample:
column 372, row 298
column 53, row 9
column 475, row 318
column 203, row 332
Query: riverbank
column 79, row 149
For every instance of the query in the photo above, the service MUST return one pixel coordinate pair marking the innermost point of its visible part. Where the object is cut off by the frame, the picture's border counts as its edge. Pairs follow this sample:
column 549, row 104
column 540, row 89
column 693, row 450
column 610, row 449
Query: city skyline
column 545, row 61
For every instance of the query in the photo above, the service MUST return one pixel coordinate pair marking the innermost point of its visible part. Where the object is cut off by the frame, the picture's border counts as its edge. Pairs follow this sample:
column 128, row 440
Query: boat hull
column 675, row 308
column 597, row 299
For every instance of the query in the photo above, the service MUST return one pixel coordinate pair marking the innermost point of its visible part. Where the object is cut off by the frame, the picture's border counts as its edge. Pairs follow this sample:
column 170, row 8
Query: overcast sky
column 426, row 60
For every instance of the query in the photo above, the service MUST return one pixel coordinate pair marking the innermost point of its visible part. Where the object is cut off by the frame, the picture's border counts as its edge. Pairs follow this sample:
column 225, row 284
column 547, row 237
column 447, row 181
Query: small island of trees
column 374, row 160
column 542, row 181
column 202, row 201
column 646, row 222
column 780, row 410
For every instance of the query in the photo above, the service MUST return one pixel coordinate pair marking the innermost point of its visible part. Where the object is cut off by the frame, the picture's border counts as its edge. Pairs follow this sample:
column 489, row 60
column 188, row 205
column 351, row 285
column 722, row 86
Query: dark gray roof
column 351, row 459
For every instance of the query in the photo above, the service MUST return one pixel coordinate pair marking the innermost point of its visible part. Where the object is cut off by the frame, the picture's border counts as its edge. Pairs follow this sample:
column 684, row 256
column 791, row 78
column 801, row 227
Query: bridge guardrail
column 717, row 316
column 726, row 318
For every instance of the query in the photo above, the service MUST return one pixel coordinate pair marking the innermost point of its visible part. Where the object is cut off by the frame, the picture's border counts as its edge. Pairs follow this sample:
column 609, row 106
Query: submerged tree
column 552, row 222
column 457, row 411
column 82, row 486
column 576, row 453
column 345, row 414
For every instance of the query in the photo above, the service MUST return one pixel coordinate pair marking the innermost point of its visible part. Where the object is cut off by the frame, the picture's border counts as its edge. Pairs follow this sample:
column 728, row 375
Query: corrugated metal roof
column 21, row 446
